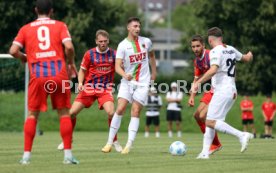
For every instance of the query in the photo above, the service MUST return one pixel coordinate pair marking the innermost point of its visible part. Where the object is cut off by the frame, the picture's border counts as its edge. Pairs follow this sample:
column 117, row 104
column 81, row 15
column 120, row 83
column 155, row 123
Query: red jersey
column 202, row 64
column 268, row 109
column 100, row 67
column 43, row 40
column 247, row 104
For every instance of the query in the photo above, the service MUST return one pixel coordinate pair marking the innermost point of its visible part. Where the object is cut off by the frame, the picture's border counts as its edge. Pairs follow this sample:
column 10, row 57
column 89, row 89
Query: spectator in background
column 268, row 110
column 153, row 105
column 174, row 98
column 247, row 106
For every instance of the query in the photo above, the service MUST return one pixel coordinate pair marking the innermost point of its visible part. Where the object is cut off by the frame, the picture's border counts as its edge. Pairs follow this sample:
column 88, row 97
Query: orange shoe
column 214, row 148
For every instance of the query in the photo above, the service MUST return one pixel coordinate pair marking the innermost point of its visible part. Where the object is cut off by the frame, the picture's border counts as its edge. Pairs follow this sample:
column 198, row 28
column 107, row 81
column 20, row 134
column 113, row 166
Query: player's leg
column 29, row 134
column 216, row 145
column 200, row 116
column 169, row 122
column 148, row 122
column 115, row 123
column 66, row 132
column 156, row 123
column 253, row 129
column 178, row 121
column 266, row 129
column 133, row 125
column 73, row 112
column 108, row 106
column 270, row 129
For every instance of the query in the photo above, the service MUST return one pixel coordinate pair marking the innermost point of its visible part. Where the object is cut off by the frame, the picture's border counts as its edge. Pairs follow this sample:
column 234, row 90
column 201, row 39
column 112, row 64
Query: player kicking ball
column 222, row 71
column 202, row 65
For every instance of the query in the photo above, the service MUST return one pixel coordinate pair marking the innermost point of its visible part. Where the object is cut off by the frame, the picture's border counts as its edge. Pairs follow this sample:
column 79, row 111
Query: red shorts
column 40, row 88
column 207, row 96
column 88, row 98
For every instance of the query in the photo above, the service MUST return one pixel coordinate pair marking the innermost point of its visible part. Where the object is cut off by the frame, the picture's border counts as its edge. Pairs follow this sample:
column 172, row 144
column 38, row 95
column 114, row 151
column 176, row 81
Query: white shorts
column 220, row 105
column 130, row 92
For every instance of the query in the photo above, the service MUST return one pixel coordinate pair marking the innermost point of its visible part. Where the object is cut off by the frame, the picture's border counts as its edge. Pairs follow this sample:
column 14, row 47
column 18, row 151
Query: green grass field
column 148, row 155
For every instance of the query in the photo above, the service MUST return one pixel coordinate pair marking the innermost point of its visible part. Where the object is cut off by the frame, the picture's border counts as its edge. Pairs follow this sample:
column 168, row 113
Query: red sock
column 201, row 125
column 66, row 131
column 74, row 121
column 29, row 133
column 216, row 140
column 109, row 122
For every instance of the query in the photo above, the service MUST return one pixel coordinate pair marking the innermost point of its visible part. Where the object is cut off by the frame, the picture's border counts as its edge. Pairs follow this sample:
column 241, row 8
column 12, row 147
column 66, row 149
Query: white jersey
column 225, row 57
column 174, row 95
column 135, row 56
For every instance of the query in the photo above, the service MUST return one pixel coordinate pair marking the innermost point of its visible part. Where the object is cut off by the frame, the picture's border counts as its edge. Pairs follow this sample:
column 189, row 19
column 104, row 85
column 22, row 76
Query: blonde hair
column 102, row 32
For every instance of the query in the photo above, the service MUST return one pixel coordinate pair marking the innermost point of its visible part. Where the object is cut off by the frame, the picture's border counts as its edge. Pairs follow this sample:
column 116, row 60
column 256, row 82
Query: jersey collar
column 97, row 49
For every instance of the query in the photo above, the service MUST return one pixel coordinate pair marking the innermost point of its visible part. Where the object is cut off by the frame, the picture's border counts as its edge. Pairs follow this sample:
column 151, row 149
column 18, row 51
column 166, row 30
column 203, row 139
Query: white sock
column 132, row 129
column 114, row 127
column 208, row 139
column 26, row 155
column 68, row 154
column 226, row 128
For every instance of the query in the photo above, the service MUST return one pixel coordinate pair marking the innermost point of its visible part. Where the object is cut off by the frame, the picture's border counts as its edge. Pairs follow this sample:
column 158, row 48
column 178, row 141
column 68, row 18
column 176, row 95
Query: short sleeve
column 20, row 39
column 85, row 61
column 120, row 52
column 215, row 57
column 150, row 45
column 65, row 34
column 238, row 54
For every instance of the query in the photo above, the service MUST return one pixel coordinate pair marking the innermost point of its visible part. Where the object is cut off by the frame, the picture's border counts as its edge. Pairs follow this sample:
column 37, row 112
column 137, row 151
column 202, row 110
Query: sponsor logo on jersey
column 137, row 57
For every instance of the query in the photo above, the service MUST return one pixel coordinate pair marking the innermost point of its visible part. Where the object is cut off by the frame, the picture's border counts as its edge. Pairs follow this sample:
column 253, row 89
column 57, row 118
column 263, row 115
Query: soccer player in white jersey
column 134, row 54
column 222, row 71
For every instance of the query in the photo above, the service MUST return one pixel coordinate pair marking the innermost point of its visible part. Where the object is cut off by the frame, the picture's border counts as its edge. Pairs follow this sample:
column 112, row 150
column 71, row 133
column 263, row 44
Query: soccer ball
column 178, row 148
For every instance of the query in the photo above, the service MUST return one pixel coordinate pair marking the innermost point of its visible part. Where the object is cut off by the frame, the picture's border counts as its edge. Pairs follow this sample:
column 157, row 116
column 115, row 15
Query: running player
column 43, row 40
column 201, row 65
column 132, row 62
column 96, row 76
column 222, row 71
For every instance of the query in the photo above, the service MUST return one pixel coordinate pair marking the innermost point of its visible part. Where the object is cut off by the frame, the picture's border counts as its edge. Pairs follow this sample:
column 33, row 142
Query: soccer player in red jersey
column 96, row 76
column 43, row 40
column 268, row 110
column 247, row 106
column 201, row 65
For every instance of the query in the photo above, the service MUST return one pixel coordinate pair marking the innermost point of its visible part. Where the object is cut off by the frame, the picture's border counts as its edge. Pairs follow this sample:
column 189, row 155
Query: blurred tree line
column 247, row 25
column 83, row 17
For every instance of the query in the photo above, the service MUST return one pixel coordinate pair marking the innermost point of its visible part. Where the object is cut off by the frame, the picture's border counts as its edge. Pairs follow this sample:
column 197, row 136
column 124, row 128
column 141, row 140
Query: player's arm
column 81, row 76
column 119, row 69
column 207, row 76
column 247, row 57
column 152, row 64
column 70, row 55
column 191, row 100
column 16, row 53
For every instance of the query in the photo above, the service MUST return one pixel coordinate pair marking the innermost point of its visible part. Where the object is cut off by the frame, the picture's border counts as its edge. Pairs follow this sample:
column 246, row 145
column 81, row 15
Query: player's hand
column 128, row 76
column 250, row 55
column 72, row 71
column 80, row 87
column 191, row 102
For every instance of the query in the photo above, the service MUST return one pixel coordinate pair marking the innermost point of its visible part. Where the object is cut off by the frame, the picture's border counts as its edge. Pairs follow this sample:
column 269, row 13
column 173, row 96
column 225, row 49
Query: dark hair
column 197, row 38
column 131, row 19
column 44, row 6
column 215, row 31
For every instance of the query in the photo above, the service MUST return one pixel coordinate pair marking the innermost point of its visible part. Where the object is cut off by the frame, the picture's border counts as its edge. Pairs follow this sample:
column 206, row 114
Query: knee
column 120, row 110
column 110, row 113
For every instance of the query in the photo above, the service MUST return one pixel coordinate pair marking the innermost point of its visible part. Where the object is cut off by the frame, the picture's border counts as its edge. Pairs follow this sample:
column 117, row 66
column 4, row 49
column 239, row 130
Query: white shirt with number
column 135, row 57
column 225, row 57
column 174, row 95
